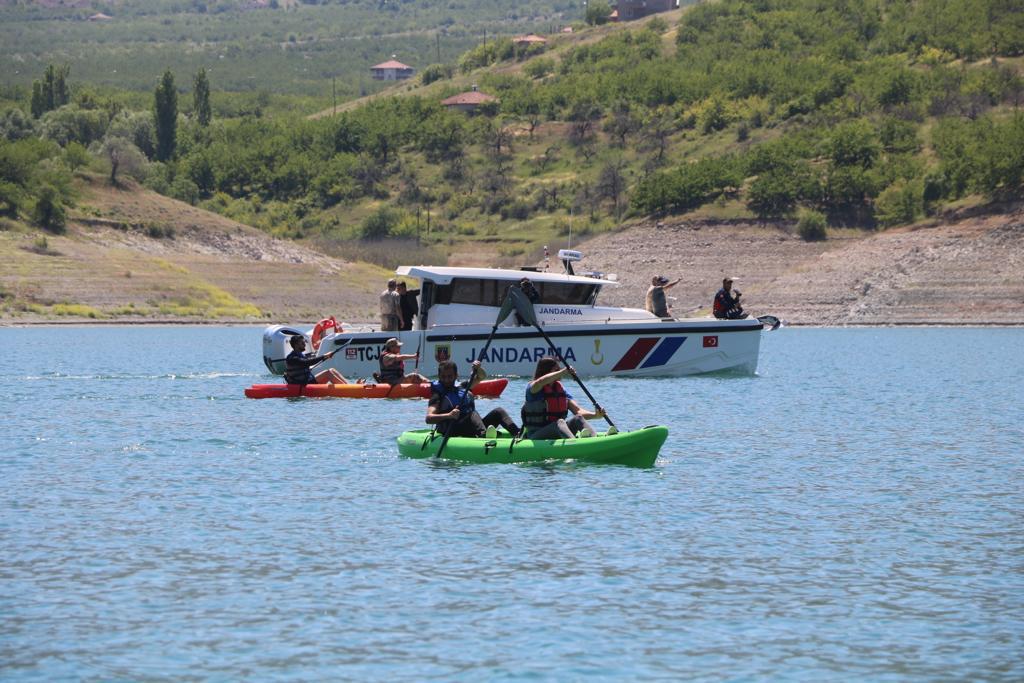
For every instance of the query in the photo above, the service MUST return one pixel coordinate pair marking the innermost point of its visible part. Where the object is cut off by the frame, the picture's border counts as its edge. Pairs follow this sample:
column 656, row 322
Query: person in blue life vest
column 392, row 365
column 298, row 366
column 727, row 302
column 548, row 403
column 453, row 407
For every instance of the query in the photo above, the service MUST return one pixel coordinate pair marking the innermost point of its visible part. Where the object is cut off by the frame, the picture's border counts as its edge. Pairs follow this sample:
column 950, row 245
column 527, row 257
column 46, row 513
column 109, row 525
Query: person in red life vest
column 548, row 404
column 392, row 366
column 727, row 302
column 453, row 407
column 298, row 366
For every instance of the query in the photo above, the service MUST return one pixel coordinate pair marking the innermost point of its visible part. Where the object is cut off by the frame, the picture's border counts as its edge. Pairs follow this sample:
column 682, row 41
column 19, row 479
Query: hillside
column 958, row 270
column 863, row 130
column 132, row 255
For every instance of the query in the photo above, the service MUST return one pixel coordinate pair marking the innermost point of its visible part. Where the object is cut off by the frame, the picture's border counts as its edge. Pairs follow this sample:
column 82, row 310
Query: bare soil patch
column 966, row 271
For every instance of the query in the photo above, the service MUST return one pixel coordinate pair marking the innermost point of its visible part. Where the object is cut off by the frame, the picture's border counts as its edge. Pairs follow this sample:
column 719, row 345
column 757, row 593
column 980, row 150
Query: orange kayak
column 488, row 388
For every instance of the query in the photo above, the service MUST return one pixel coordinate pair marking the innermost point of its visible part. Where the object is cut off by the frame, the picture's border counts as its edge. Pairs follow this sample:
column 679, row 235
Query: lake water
column 855, row 511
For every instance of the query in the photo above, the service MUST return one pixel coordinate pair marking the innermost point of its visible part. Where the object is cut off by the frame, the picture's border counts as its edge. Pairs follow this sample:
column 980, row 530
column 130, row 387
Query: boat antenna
column 570, row 228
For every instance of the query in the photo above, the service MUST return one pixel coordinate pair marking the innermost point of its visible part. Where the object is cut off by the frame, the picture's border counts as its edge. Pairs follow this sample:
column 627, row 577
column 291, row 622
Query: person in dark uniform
column 531, row 293
column 453, row 407
column 727, row 302
column 407, row 302
column 298, row 366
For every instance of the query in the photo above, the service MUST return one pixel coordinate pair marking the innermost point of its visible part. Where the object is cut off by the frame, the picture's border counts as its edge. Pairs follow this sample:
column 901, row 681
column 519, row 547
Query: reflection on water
column 854, row 511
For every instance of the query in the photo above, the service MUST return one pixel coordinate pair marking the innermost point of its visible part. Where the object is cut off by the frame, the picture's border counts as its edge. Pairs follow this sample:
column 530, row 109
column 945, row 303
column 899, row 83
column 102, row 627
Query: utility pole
column 334, row 92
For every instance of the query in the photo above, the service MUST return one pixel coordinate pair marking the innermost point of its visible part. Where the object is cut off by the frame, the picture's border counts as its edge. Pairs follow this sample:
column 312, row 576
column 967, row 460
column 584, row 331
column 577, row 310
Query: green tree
column 52, row 92
column 597, row 13
column 201, row 98
column 165, row 117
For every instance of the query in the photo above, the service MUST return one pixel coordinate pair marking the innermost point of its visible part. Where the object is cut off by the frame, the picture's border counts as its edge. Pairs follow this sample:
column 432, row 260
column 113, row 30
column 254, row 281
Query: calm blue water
column 856, row 511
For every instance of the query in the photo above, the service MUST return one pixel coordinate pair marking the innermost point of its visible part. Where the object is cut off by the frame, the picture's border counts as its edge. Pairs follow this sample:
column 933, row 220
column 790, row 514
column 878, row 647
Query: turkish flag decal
column 711, row 341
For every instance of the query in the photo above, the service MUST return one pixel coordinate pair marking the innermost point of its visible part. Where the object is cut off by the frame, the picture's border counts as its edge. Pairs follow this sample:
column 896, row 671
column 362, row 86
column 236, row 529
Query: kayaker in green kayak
column 548, row 403
column 453, row 407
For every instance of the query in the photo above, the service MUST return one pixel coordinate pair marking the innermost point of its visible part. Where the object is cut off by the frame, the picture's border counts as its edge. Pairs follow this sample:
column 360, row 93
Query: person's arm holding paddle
column 476, row 375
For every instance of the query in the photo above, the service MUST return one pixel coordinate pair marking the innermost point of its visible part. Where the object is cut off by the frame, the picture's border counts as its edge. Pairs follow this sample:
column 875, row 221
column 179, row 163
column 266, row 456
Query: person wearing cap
column 453, row 406
column 727, row 302
column 392, row 365
column 298, row 366
column 390, row 308
column 656, row 302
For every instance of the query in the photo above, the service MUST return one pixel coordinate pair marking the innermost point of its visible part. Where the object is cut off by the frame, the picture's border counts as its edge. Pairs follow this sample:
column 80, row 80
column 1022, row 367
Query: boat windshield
column 483, row 292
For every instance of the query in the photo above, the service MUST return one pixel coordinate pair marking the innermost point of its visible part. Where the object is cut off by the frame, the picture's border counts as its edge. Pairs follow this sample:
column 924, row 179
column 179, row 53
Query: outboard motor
column 277, row 345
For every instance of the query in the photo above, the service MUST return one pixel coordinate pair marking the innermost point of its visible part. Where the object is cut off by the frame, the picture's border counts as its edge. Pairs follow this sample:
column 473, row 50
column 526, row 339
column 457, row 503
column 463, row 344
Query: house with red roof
column 391, row 70
column 468, row 101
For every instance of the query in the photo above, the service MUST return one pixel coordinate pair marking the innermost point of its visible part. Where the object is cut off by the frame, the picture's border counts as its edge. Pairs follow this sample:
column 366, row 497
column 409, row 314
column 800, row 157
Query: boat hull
column 491, row 388
column 655, row 349
column 637, row 448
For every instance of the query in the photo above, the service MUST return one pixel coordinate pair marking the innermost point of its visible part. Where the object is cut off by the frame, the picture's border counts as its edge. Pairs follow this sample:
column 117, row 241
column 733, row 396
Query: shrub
column 379, row 224
column 49, row 210
column 436, row 72
column 812, row 226
column 539, row 68
column 901, row 202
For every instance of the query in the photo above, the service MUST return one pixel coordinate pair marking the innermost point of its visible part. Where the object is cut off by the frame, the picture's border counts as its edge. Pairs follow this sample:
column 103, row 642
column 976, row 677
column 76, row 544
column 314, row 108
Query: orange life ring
column 320, row 331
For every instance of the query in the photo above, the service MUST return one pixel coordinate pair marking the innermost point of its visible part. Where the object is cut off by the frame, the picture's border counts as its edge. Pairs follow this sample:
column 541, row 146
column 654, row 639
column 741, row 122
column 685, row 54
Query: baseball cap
column 661, row 279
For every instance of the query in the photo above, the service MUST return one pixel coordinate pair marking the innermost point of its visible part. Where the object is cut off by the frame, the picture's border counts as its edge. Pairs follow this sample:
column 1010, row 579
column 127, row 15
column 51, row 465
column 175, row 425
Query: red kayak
column 488, row 388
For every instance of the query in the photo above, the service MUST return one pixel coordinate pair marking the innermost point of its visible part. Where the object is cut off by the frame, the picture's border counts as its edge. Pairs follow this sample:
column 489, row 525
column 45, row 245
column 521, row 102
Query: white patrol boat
column 459, row 307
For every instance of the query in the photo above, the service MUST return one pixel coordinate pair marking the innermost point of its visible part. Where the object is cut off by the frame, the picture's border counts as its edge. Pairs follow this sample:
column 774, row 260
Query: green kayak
column 638, row 449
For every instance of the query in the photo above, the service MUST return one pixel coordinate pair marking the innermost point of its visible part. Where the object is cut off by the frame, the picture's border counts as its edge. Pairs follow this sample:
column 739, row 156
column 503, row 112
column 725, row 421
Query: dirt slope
column 134, row 255
column 968, row 271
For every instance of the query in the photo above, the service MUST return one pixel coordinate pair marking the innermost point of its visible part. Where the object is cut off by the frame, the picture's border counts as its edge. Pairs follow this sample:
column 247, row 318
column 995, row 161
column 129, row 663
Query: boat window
column 483, row 292
column 566, row 293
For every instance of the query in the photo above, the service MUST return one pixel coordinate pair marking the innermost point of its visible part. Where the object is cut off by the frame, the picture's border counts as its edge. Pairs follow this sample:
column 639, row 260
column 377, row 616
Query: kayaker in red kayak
column 453, row 407
column 392, row 366
column 298, row 366
column 548, row 403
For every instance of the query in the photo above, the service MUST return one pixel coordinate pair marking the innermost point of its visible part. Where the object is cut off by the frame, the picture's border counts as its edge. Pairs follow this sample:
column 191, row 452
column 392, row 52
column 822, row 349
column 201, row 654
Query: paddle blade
column 523, row 305
column 506, row 306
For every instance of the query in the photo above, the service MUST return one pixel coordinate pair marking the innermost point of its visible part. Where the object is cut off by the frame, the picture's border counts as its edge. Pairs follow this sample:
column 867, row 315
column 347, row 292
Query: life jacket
column 723, row 304
column 553, row 408
column 453, row 398
column 391, row 374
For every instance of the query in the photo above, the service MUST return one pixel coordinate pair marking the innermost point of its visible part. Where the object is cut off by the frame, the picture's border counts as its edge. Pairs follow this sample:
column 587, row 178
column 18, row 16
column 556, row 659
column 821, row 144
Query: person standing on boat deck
column 656, row 302
column 531, row 294
column 548, row 403
column 454, row 407
column 298, row 363
column 727, row 302
column 392, row 365
column 390, row 308
column 407, row 302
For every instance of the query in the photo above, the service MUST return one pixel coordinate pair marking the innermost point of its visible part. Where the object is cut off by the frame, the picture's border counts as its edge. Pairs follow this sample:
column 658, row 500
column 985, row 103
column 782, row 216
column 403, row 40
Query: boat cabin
column 472, row 296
